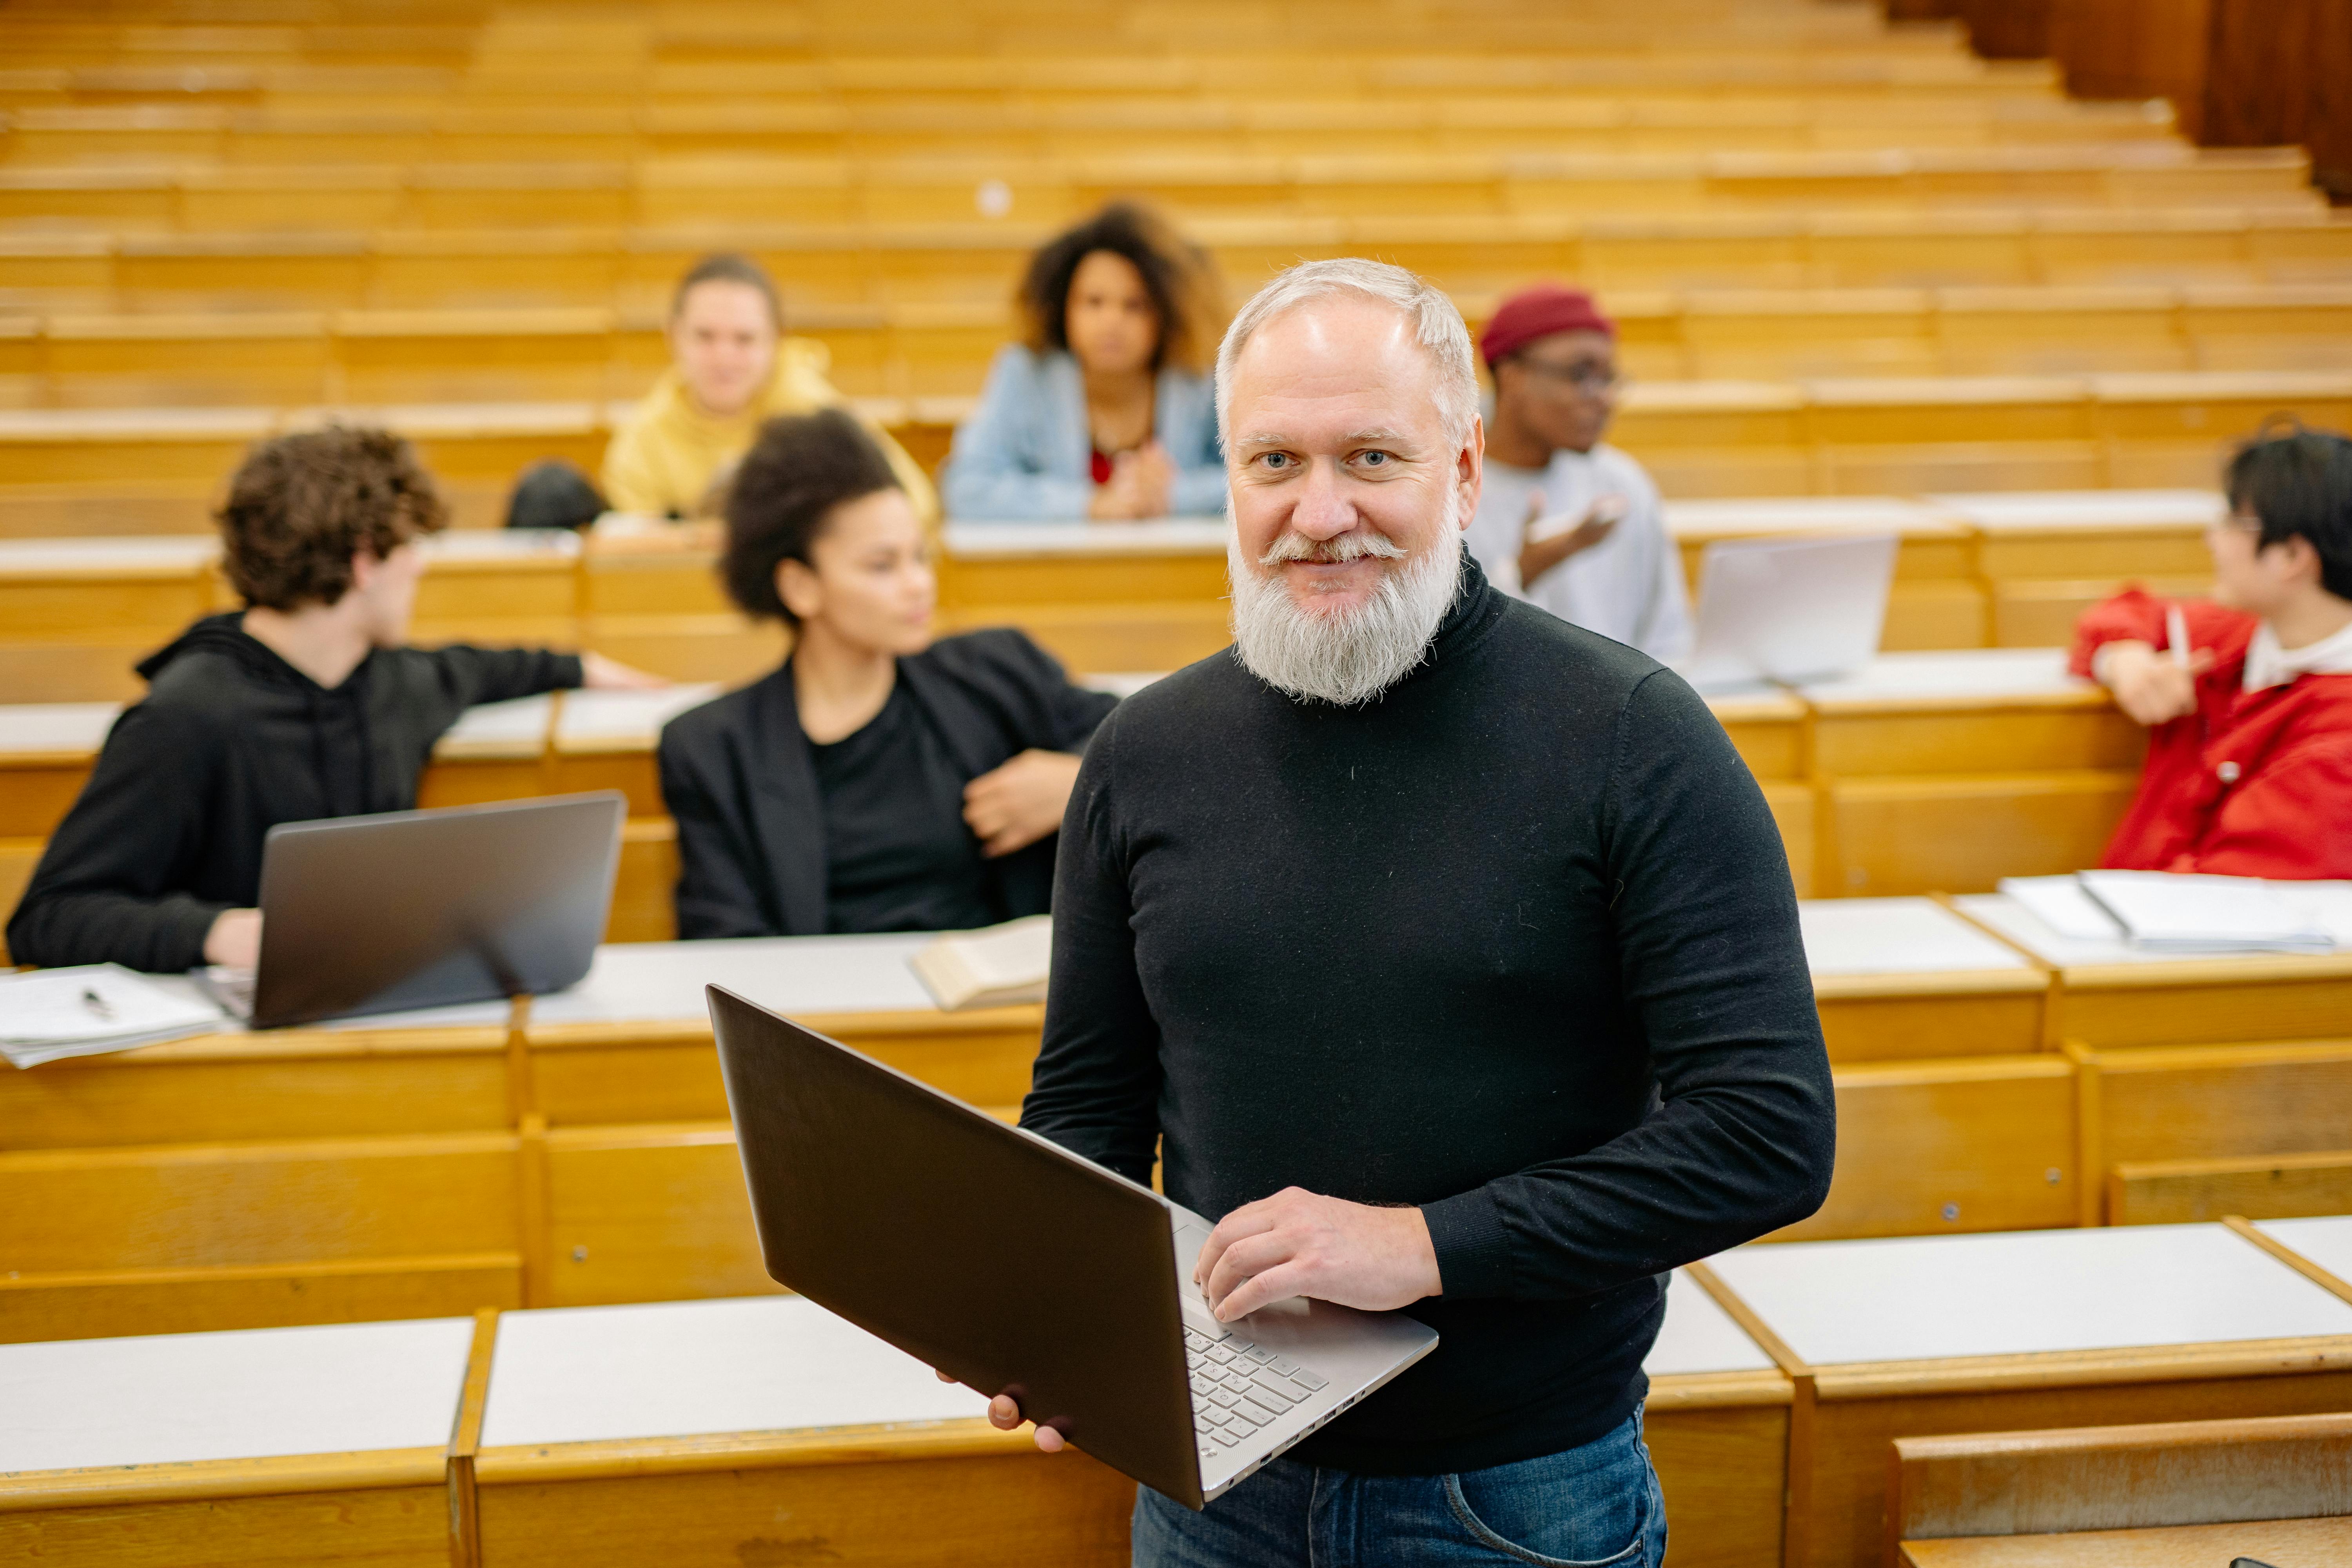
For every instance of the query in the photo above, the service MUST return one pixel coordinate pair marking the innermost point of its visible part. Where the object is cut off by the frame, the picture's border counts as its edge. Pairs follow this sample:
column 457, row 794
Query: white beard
column 1347, row 657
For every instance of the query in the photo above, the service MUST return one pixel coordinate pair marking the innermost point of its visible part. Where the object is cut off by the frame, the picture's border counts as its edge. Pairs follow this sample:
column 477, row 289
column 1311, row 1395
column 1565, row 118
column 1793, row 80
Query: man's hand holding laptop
column 1296, row 1243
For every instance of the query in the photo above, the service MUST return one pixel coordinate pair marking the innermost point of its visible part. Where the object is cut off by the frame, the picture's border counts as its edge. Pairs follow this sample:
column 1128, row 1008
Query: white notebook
column 993, row 967
column 88, row 1008
column 2167, row 911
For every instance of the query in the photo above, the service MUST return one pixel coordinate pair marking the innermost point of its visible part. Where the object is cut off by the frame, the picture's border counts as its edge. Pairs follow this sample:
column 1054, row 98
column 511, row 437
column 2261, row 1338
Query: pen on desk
column 2176, row 632
column 96, row 1004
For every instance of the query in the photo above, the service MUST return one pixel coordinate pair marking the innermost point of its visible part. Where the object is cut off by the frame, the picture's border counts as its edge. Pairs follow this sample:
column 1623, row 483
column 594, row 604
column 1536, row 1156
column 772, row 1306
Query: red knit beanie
column 1539, row 312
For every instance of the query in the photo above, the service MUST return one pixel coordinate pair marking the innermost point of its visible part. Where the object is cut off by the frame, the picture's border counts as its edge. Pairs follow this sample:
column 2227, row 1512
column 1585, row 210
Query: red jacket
column 2254, row 783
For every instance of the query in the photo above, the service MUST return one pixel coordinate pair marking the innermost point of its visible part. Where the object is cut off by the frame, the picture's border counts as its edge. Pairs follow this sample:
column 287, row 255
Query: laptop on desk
column 426, row 909
column 1788, row 610
column 1016, row 1267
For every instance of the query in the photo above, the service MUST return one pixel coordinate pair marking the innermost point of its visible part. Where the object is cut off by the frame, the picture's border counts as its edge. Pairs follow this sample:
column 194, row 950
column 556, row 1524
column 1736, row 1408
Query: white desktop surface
column 55, row 726
column 978, row 540
column 672, row 1368
column 492, row 1014
column 2326, row 1241
column 1804, row 514
column 500, row 544
column 249, row 1393
column 156, row 552
column 2042, row 511
column 636, row 981
column 1991, row 672
column 1933, row 1298
column 1699, row 1336
column 512, row 729
column 612, row 721
column 1895, row 936
column 2329, row 902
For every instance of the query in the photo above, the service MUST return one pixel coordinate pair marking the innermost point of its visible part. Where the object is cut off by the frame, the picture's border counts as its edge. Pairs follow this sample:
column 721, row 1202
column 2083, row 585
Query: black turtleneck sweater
column 1515, row 943
column 230, row 742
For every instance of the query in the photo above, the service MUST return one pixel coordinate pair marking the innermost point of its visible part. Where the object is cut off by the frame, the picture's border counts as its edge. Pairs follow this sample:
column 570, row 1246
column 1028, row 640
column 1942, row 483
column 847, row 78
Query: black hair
column 1176, row 275
column 800, row 468
column 2297, row 483
column 726, row 267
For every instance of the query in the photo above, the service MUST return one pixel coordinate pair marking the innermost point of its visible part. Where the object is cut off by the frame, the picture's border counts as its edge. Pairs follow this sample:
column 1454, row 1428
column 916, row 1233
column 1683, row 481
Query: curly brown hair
column 1176, row 274
column 301, row 506
column 800, row 468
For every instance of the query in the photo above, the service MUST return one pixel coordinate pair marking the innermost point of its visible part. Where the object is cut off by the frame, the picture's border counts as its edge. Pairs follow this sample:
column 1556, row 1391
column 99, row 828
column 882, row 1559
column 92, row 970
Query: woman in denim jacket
column 1104, row 414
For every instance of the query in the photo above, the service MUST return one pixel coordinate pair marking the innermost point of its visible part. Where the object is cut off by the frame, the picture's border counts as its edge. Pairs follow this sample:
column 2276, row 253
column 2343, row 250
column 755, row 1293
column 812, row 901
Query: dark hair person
column 308, row 703
column 1103, row 411
column 878, row 780
column 2247, row 695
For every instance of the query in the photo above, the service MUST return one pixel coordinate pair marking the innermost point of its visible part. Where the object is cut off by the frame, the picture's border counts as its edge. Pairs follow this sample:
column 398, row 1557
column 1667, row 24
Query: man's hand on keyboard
column 1005, row 1415
column 1299, row 1243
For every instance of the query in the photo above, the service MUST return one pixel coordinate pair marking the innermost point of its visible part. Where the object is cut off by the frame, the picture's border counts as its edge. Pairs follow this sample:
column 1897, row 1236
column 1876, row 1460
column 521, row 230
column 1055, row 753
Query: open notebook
column 993, row 967
column 90, row 1008
column 2163, row 911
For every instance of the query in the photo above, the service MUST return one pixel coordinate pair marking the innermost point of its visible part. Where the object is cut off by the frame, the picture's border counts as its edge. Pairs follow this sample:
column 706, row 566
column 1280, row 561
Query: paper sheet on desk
column 90, row 1008
column 2164, row 911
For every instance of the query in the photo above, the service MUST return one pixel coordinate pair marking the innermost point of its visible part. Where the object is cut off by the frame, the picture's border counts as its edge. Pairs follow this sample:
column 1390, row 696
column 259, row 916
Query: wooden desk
column 1717, row 1426
column 2324, row 1242
column 606, row 739
column 762, row 1430
column 45, row 751
column 2048, row 556
column 1945, row 772
column 78, row 614
column 1904, row 977
column 497, row 751
column 309, row 1444
column 1099, row 597
column 1935, row 602
column 2022, row 1332
column 2113, row 994
column 503, row 586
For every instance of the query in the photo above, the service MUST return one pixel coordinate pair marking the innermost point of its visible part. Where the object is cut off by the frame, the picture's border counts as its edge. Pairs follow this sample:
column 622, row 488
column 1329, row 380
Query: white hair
column 1437, row 327
column 1345, row 657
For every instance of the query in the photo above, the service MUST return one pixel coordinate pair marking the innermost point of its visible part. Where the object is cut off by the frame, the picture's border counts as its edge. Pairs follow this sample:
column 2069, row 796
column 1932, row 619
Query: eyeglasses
column 1584, row 376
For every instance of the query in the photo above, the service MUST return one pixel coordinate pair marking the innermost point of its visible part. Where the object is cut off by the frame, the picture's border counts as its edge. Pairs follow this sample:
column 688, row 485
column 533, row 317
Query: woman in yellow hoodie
column 732, row 369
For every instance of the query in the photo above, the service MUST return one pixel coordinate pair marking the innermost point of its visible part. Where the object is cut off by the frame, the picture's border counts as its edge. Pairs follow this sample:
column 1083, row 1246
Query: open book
column 2169, row 911
column 993, row 967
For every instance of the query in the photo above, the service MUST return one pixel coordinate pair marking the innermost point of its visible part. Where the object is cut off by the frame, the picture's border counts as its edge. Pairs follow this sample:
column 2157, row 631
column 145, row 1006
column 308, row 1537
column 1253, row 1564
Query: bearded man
column 1444, row 949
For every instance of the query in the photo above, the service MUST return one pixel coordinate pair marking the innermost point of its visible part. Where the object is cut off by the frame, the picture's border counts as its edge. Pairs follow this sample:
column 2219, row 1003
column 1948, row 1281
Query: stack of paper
column 992, row 968
column 2176, row 913
column 81, row 1011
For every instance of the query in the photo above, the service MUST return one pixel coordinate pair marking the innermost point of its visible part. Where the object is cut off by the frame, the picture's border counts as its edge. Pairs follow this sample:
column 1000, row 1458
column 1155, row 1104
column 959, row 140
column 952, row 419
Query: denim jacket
column 1025, row 454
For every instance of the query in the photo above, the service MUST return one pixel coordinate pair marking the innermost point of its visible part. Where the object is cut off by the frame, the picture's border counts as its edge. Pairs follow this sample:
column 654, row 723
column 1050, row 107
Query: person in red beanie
column 1566, row 521
column 2248, row 697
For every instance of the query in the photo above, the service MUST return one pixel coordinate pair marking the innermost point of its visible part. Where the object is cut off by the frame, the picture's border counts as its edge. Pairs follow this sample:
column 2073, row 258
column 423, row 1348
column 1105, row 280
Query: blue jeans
column 1597, row 1504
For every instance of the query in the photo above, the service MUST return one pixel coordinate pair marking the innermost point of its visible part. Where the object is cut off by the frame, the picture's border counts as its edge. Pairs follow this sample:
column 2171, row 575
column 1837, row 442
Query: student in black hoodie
column 308, row 704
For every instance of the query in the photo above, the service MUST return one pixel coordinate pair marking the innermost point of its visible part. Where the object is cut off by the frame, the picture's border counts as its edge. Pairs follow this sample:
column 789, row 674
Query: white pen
column 2176, row 632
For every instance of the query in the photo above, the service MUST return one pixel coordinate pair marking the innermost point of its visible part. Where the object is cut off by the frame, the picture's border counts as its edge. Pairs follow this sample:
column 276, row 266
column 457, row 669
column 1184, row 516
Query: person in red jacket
column 2248, row 697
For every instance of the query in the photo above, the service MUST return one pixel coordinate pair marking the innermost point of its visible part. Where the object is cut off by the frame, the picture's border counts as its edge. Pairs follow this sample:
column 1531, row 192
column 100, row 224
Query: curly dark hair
column 1176, row 274
column 2299, row 481
column 800, row 468
column 301, row 506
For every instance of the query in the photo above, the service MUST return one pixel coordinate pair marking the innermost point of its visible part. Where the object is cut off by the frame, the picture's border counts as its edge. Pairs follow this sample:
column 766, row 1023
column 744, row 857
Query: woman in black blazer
column 877, row 780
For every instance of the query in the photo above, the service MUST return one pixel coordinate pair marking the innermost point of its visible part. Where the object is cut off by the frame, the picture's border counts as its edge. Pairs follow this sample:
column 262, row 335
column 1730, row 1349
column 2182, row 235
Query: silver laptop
column 1788, row 609
column 426, row 909
column 1016, row 1267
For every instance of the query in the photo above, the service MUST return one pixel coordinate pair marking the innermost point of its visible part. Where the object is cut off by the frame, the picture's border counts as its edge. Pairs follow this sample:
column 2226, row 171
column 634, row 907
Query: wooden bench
column 312, row 1445
column 2188, row 1133
column 1923, row 1336
column 1905, row 978
column 2173, row 1493
column 2048, row 557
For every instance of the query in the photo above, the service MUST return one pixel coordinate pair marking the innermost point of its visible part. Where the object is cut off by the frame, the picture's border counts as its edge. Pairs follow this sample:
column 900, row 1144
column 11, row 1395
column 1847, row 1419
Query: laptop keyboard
column 1238, row 1387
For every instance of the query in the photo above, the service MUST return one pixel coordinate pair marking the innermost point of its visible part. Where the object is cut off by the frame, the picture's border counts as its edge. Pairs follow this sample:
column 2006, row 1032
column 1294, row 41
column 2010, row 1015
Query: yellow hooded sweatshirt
column 661, row 462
